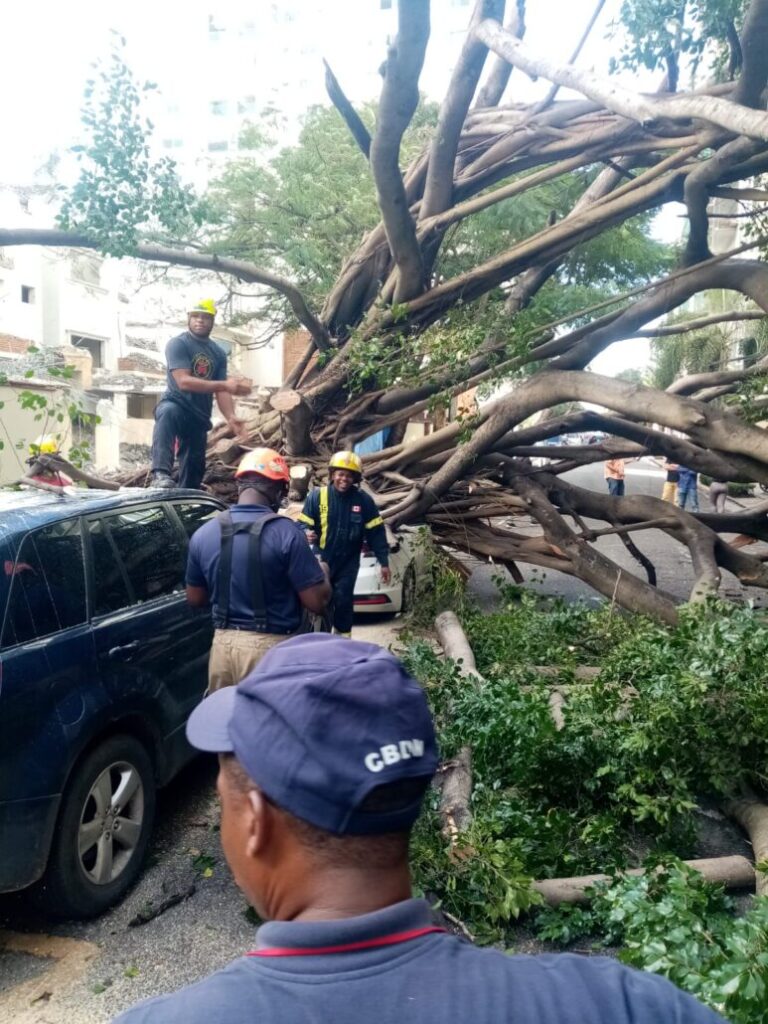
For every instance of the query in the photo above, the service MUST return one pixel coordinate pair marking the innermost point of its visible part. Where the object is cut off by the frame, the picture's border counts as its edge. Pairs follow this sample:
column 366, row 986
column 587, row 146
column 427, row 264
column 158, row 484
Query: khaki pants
column 235, row 652
column 669, row 493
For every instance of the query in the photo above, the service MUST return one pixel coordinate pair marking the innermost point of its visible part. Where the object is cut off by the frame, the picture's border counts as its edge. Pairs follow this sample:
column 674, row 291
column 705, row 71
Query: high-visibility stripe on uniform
column 323, row 516
column 348, row 947
column 306, row 519
column 376, row 521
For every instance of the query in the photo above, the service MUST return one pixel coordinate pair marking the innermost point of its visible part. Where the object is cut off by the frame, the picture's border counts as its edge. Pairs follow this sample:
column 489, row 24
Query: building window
column 92, row 345
column 219, row 108
column 385, row 5
column 172, row 143
column 28, row 294
column 141, row 407
column 247, row 105
column 218, row 147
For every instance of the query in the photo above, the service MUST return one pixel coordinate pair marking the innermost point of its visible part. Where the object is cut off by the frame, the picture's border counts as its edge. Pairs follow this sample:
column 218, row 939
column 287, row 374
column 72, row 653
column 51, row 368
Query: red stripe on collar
column 349, row 947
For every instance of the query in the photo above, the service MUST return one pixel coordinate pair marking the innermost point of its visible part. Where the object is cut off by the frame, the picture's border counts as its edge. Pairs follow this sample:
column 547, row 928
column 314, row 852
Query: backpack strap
column 258, row 601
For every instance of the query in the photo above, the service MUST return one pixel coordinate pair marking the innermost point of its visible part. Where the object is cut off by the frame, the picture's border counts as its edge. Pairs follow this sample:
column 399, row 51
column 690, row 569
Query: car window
column 194, row 514
column 138, row 555
column 47, row 584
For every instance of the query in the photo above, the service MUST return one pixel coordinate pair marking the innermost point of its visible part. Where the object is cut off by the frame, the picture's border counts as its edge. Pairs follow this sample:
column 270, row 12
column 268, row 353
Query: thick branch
column 647, row 110
column 438, row 191
column 399, row 99
column 351, row 117
column 184, row 258
column 591, row 565
column 498, row 77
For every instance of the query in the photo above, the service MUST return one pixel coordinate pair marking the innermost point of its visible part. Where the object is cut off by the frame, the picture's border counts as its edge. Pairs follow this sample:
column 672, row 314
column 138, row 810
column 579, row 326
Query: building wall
column 19, row 428
column 21, row 268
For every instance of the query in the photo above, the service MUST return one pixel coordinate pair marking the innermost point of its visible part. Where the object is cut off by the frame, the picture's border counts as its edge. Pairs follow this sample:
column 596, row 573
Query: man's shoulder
column 574, row 989
column 221, row 997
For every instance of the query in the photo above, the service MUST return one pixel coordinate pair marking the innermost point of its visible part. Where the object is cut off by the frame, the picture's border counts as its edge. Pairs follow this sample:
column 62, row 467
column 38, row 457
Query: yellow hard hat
column 203, row 306
column 346, row 460
column 46, row 444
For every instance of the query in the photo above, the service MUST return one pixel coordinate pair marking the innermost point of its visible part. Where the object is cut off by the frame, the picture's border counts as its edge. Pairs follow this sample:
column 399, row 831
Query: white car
column 407, row 559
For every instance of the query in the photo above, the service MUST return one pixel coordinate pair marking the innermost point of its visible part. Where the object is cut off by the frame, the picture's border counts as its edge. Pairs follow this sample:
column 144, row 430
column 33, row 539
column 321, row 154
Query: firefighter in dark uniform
column 339, row 518
column 254, row 569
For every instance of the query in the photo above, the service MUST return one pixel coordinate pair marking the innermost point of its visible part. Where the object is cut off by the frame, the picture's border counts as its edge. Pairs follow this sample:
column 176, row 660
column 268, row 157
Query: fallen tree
column 420, row 311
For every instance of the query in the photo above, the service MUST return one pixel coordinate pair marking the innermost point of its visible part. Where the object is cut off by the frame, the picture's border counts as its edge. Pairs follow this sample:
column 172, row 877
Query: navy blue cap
column 320, row 722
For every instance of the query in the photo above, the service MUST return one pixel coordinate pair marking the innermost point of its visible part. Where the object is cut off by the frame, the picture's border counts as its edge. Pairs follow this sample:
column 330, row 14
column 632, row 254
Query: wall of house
column 21, row 268
column 19, row 427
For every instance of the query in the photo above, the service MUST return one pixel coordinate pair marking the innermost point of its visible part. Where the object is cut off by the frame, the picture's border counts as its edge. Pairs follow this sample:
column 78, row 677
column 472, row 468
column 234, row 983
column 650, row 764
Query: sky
column 49, row 50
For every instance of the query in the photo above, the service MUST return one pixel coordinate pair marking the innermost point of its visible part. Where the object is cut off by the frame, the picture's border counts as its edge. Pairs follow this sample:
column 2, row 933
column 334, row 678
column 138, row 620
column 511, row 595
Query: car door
column 152, row 648
column 49, row 686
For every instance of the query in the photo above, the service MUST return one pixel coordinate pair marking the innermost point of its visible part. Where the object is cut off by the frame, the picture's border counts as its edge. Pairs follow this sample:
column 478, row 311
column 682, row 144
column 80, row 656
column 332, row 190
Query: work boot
column 163, row 480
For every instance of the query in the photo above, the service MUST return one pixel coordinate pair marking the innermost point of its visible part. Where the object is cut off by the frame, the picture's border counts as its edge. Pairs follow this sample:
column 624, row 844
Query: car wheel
column 408, row 601
column 102, row 832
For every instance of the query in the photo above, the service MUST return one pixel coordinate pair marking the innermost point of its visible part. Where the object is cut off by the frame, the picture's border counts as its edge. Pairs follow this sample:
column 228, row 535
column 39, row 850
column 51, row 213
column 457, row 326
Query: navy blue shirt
column 205, row 360
column 288, row 566
column 433, row 978
column 350, row 519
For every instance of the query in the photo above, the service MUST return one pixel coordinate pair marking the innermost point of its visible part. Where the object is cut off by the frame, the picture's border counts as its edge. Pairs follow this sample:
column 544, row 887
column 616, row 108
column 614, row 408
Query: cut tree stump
column 455, row 644
column 752, row 815
column 733, row 872
column 455, row 777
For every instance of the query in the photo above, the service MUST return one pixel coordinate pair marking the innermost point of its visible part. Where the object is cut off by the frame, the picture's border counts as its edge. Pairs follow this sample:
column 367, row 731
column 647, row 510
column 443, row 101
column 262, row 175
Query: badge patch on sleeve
column 357, row 508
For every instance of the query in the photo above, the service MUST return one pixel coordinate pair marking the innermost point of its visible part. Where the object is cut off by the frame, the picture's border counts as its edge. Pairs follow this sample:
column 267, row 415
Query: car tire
column 408, row 600
column 100, row 842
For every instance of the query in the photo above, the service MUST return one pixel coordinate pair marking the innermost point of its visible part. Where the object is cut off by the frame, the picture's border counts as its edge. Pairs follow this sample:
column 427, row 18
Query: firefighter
column 339, row 518
column 255, row 570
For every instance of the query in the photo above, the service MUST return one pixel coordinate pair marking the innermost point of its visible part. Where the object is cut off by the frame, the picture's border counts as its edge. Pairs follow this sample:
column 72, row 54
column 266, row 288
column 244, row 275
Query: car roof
column 26, row 509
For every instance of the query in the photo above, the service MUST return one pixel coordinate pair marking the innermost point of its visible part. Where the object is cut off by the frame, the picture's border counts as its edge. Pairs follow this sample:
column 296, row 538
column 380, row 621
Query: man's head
column 263, row 473
column 327, row 748
column 345, row 470
column 200, row 317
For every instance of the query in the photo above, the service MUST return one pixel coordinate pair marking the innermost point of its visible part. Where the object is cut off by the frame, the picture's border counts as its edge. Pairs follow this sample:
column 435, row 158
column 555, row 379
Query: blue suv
column 101, row 662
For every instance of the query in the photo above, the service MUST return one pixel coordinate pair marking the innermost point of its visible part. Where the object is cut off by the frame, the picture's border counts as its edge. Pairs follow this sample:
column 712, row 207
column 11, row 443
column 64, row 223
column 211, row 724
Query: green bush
column 675, row 714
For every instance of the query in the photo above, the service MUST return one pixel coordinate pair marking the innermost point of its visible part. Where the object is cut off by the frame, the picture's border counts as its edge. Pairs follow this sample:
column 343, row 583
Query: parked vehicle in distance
column 101, row 662
column 407, row 559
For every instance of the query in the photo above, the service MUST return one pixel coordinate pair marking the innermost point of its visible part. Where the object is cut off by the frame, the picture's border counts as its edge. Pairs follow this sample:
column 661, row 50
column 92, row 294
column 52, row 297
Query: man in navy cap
column 326, row 750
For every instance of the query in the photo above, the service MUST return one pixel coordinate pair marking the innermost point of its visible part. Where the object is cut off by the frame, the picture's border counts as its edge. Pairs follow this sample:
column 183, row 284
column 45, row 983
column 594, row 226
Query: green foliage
column 657, row 32
column 675, row 714
column 672, row 922
column 307, row 207
column 122, row 192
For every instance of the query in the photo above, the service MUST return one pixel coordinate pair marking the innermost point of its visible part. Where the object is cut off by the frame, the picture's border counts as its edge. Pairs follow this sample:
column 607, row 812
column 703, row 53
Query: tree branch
column 184, row 258
column 498, row 77
column 438, row 191
column 646, row 110
column 399, row 99
column 349, row 114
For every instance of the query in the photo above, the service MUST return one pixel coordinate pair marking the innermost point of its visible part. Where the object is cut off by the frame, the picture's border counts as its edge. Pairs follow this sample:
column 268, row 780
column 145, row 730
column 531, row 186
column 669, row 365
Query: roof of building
column 127, row 382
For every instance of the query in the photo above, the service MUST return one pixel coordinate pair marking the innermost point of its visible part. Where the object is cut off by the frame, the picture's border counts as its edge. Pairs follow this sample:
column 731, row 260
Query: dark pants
column 616, row 487
column 173, row 423
column 343, row 576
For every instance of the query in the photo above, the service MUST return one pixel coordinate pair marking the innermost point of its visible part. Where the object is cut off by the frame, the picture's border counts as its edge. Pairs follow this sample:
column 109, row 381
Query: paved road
column 672, row 561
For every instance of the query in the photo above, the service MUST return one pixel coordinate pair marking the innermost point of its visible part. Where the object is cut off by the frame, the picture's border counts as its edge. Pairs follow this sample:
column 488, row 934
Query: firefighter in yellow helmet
column 196, row 371
column 339, row 518
column 255, row 570
column 46, row 444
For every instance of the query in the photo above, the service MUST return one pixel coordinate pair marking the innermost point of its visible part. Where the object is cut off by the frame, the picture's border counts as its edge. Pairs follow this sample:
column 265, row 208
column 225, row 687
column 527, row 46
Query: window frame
column 103, row 514
column 22, row 539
